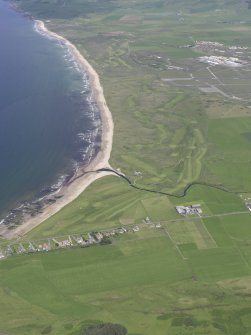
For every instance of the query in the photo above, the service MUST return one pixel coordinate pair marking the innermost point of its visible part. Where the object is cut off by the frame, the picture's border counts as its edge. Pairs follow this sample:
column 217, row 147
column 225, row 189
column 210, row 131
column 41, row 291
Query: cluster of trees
column 105, row 329
column 105, row 240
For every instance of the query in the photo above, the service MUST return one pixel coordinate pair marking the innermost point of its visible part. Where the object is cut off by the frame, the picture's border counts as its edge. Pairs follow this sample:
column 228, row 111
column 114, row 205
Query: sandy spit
column 77, row 186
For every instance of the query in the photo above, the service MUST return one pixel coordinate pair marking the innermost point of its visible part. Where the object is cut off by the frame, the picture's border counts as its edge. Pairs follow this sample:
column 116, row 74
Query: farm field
column 180, row 120
column 166, row 280
column 146, row 281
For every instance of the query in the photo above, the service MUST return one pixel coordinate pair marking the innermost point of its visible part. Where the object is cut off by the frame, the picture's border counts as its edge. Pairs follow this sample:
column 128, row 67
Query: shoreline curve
column 70, row 192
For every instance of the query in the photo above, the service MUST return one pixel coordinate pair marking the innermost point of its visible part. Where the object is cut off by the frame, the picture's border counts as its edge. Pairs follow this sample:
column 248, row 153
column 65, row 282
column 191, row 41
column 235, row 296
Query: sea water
column 49, row 124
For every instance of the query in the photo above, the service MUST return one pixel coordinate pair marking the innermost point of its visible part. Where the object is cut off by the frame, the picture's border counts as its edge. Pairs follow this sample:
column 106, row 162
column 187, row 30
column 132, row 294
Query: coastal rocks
column 46, row 197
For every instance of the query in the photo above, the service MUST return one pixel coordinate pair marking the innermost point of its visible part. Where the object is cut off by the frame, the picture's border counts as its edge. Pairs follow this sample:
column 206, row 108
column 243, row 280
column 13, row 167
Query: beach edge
column 101, row 160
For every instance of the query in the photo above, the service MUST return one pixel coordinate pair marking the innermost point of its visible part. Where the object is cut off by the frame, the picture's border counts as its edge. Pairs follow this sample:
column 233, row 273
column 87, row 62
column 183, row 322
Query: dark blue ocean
column 48, row 125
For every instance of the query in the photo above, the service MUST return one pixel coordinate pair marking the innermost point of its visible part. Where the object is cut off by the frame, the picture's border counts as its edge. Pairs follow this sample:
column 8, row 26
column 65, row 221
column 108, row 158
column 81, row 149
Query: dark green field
column 177, row 121
column 145, row 281
column 191, row 276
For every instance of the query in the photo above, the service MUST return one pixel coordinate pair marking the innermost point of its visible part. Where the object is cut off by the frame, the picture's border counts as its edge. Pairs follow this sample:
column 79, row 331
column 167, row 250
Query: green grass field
column 192, row 276
column 134, row 46
column 145, row 281
column 110, row 202
column 164, row 281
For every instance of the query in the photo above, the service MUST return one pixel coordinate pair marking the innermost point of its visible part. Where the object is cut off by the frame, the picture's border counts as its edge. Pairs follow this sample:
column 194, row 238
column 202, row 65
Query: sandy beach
column 81, row 182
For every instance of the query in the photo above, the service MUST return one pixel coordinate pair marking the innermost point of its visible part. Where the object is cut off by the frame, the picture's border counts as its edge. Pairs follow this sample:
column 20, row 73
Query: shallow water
column 48, row 123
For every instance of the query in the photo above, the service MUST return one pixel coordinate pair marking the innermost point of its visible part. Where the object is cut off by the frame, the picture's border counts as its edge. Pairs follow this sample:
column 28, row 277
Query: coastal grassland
column 188, row 277
column 106, row 204
column 156, row 280
column 161, row 127
column 144, row 281
column 110, row 202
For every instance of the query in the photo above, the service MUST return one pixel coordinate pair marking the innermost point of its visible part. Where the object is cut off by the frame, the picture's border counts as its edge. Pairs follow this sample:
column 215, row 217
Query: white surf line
column 72, row 191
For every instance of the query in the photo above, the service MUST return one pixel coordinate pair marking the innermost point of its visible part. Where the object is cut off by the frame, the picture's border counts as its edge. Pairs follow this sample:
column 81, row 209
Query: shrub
column 105, row 329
